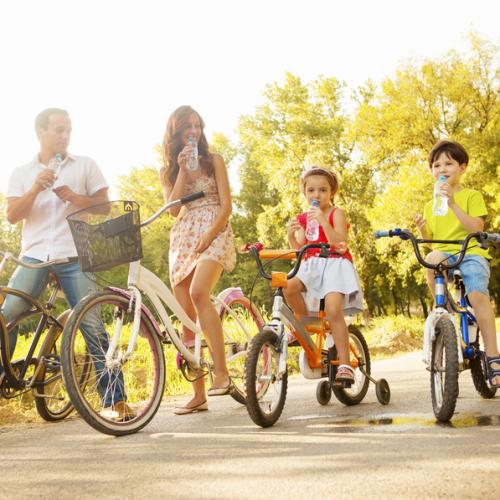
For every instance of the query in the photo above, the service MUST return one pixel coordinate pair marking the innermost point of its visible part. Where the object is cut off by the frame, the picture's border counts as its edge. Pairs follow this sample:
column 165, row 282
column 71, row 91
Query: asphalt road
column 366, row 451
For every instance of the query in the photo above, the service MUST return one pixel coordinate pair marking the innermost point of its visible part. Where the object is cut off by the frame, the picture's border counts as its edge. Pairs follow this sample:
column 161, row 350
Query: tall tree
column 456, row 97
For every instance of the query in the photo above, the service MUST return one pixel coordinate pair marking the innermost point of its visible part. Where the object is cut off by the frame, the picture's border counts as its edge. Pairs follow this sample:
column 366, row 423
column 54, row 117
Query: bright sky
column 120, row 67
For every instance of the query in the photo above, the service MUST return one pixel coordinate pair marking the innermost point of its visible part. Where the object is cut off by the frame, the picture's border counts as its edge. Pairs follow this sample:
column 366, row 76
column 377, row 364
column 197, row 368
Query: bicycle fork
column 115, row 360
column 277, row 326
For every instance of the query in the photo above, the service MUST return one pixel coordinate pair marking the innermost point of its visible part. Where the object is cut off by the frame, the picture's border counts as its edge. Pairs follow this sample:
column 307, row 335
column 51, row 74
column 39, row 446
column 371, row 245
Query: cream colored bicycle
column 128, row 327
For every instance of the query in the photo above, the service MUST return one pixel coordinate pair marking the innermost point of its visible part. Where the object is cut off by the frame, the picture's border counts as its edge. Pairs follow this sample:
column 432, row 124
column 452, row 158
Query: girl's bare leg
column 334, row 311
column 181, row 293
column 205, row 277
column 294, row 298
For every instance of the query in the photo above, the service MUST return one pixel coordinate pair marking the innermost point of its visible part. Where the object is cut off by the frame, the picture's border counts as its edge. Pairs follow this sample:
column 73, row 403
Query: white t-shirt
column 46, row 234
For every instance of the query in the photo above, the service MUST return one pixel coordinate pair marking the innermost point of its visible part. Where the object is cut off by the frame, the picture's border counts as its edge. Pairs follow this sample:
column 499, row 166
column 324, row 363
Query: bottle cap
column 315, row 203
column 442, row 178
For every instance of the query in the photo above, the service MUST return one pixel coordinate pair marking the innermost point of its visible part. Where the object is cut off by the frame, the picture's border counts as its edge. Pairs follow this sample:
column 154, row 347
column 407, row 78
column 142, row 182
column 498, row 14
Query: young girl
column 333, row 278
column 201, row 240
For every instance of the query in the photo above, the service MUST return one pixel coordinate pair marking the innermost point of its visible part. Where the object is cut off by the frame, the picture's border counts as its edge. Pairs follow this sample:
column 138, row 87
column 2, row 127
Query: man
column 42, row 198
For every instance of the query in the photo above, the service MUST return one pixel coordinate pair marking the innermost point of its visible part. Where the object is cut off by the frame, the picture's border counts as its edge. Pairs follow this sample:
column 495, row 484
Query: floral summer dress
column 193, row 221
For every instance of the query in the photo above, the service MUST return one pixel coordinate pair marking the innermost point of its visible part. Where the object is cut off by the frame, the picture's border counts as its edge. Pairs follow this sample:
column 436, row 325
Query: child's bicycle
column 266, row 372
column 451, row 333
column 131, row 347
column 39, row 371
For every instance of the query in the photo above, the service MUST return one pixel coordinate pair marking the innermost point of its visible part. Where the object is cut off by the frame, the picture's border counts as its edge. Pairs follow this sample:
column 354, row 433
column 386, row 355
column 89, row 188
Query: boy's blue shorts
column 475, row 272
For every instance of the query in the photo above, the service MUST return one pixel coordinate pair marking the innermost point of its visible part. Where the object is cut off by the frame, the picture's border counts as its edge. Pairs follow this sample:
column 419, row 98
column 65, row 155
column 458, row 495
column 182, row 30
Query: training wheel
column 324, row 392
column 383, row 391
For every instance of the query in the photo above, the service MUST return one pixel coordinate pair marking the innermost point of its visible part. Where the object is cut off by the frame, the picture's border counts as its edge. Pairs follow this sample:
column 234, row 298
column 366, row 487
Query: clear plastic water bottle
column 55, row 165
column 192, row 161
column 312, row 227
column 440, row 206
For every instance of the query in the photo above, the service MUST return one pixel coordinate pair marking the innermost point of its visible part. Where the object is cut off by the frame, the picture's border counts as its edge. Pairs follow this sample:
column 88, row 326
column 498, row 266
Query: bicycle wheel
column 444, row 370
column 479, row 373
column 123, row 392
column 265, row 386
column 240, row 323
column 355, row 394
column 51, row 398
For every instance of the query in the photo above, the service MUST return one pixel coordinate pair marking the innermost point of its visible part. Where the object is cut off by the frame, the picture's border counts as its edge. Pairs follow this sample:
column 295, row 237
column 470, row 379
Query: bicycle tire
column 479, row 375
column 58, row 405
column 241, row 321
column 120, row 399
column 356, row 393
column 53, row 402
column 444, row 370
column 265, row 387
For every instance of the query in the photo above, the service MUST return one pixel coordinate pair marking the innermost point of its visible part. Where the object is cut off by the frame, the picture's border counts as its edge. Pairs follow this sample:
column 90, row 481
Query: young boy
column 466, row 209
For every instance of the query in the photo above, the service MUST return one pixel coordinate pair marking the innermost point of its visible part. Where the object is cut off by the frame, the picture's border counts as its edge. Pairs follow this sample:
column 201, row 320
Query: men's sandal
column 119, row 412
column 493, row 372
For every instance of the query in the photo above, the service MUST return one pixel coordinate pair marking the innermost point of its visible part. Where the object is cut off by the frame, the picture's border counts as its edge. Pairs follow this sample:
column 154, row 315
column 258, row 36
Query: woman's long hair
column 173, row 144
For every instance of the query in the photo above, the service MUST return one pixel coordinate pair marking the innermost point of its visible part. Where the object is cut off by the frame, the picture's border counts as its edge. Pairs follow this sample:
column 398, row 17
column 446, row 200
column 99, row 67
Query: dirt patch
column 390, row 343
column 10, row 415
column 20, row 410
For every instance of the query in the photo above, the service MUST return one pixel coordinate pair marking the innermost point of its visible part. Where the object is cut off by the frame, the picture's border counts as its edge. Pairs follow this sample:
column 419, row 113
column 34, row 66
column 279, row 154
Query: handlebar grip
column 493, row 237
column 397, row 231
column 382, row 234
column 191, row 197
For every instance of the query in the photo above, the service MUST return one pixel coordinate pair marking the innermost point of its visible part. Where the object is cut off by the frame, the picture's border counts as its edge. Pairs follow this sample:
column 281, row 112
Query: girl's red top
column 302, row 218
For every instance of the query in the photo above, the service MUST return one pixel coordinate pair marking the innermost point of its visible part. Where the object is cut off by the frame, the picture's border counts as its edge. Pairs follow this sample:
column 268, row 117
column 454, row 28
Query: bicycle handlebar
column 181, row 201
column 6, row 256
column 256, row 248
column 405, row 234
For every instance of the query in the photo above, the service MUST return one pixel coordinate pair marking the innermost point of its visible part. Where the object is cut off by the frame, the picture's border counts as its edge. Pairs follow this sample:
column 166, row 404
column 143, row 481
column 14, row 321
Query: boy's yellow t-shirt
column 448, row 227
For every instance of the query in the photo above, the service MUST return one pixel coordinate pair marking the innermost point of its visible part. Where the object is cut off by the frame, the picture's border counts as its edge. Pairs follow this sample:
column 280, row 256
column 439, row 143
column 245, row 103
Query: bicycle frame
column 16, row 379
column 464, row 346
column 302, row 326
column 434, row 316
column 142, row 281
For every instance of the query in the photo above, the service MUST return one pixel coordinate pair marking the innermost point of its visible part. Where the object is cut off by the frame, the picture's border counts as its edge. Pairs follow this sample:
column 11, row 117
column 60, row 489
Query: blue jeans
column 76, row 285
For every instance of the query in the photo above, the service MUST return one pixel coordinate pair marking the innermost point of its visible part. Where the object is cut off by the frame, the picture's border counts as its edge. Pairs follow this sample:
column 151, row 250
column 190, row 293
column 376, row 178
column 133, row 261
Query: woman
column 201, row 240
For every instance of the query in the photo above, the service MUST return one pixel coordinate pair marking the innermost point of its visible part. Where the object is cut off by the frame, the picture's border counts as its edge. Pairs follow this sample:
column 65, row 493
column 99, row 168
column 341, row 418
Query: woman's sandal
column 493, row 372
column 185, row 410
column 221, row 391
column 345, row 373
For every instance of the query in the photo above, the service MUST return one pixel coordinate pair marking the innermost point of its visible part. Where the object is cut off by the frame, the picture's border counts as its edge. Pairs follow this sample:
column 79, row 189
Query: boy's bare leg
column 486, row 321
column 434, row 257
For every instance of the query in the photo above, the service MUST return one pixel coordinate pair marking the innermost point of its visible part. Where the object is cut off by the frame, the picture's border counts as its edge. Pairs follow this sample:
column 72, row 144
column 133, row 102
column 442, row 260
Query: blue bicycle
column 451, row 332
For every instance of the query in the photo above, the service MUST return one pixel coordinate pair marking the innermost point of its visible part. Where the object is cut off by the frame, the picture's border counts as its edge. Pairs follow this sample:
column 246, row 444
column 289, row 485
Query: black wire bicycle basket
column 107, row 235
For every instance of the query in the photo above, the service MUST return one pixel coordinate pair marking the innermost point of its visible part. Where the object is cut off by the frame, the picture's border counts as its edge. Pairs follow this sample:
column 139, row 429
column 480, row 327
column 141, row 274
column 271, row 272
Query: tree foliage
column 376, row 139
